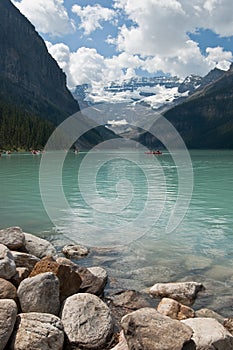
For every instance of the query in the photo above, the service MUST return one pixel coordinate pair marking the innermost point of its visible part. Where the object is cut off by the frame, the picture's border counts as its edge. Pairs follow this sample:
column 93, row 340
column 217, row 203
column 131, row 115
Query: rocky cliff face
column 29, row 76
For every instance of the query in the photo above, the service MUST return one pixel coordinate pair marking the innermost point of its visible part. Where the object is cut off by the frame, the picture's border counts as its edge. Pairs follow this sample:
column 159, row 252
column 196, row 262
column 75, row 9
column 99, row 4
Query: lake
column 121, row 202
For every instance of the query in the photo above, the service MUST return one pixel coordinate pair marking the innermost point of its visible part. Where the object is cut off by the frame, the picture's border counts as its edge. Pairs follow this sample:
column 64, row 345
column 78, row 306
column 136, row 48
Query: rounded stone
column 87, row 321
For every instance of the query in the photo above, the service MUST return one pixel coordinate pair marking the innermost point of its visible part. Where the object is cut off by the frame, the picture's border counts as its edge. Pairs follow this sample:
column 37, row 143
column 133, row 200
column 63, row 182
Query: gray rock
column 75, row 251
column 184, row 292
column 7, row 263
column 174, row 309
column 99, row 272
column 148, row 329
column 37, row 331
column 38, row 246
column 7, row 290
column 8, row 312
column 209, row 314
column 90, row 283
column 209, row 334
column 87, row 321
column 40, row 294
column 13, row 238
column 25, row 260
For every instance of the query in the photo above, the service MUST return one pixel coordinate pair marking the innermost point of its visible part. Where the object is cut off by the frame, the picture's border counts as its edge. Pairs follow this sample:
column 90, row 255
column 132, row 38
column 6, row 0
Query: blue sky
column 98, row 41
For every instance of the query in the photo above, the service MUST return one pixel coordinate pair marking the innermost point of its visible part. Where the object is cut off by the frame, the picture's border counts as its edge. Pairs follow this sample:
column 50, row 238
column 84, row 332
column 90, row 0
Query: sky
column 99, row 41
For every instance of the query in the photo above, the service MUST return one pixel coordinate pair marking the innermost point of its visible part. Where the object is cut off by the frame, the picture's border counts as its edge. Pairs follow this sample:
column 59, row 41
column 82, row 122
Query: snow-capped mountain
column 115, row 104
column 138, row 89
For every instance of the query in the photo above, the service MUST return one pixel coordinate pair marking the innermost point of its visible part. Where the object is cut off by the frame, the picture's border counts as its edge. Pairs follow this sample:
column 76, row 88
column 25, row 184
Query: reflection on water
column 199, row 249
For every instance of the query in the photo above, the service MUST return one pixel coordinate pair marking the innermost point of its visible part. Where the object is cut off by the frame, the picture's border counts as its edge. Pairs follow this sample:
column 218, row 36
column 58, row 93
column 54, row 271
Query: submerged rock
column 209, row 334
column 174, row 309
column 87, row 321
column 8, row 312
column 40, row 294
column 38, row 246
column 147, row 329
column 69, row 280
column 75, row 251
column 13, row 238
column 7, row 263
column 184, row 292
column 37, row 331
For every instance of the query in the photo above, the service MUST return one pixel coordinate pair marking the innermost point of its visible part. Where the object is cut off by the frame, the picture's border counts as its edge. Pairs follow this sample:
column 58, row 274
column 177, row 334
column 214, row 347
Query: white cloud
column 160, row 30
column 217, row 56
column 48, row 16
column 92, row 16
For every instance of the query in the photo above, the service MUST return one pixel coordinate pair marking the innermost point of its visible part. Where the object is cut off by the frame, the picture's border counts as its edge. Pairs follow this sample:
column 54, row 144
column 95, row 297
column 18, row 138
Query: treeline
column 21, row 130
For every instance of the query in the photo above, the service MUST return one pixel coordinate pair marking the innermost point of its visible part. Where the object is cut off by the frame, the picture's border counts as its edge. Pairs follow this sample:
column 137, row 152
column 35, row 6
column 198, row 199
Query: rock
column 37, row 331
column 21, row 274
column 174, row 309
column 87, row 321
column 228, row 324
column 209, row 334
column 124, row 302
column 25, row 260
column 147, row 329
column 209, row 314
column 8, row 312
column 65, row 261
column 7, row 290
column 70, row 281
column 75, row 251
column 99, row 272
column 7, row 263
column 38, row 246
column 90, row 283
column 184, row 292
column 13, row 238
column 122, row 345
column 40, row 294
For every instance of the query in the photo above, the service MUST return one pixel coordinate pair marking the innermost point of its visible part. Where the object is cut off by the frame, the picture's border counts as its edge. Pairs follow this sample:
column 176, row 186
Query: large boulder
column 147, row 329
column 7, row 263
column 25, row 260
column 70, row 281
column 7, row 290
column 184, row 292
column 87, row 321
column 40, row 294
column 209, row 334
column 13, row 238
column 8, row 312
column 39, row 247
column 99, row 272
column 174, row 309
column 37, row 331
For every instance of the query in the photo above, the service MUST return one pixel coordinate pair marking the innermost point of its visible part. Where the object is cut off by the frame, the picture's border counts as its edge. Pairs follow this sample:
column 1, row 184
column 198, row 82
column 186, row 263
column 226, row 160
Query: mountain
column 204, row 119
column 33, row 92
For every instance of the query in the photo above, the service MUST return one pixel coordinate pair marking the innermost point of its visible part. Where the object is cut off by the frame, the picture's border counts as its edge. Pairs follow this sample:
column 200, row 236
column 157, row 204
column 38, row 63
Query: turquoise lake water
column 131, row 216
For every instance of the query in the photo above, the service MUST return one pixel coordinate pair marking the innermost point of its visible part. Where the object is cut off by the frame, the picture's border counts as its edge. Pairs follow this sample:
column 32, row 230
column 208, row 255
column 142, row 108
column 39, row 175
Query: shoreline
column 32, row 269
